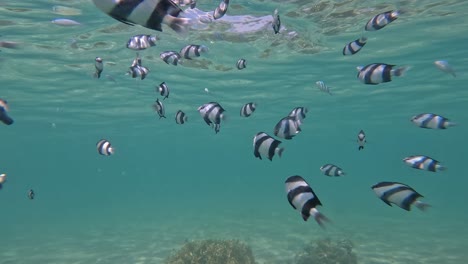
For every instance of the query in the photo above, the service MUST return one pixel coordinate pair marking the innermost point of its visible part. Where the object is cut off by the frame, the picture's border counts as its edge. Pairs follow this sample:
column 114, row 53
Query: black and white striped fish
column 158, row 106
column 323, row 87
column 192, row 50
column 302, row 198
column 104, row 147
column 212, row 113
column 221, row 10
column 432, row 121
column 147, row 13
column 141, row 42
column 3, row 179
column 98, row 66
column 276, row 24
column 287, row 128
column 361, row 139
column 332, row 170
column 170, row 57
column 163, row 90
column 424, row 163
column 180, row 117
column 299, row 114
column 31, row 194
column 399, row 194
column 137, row 69
column 247, row 109
column 241, row 64
column 265, row 145
column 381, row 20
column 376, row 73
column 354, row 46
column 4, row 116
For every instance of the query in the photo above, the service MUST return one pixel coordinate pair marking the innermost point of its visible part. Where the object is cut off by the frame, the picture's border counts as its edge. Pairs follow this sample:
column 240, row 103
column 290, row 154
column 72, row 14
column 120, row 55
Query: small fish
column 381, row 20
column 180, row 117
column 4, row 117
column 163, row 90
column 98, row 66
column 9, row 44
column 247, row 109
column 287, row 128
column 432, row 121
column 276, row 23
column 299, row 114
column 104, row 147
column 332, row 170
column 31, row 194
column 170, row 57
column 159, row 108
column 192, row 50
column 323, row 87
column 399, row 194
column 265, row 145
column 354, row 46
column 421, row 162
column 65, row 22
column 212, row 113
column 376, row 73
column 241, row 64
column 147, row 13
column 302, row 198
column 3, row 178
column 221, row 9
column 141, row 42
column 445, row 67
column 361, row 139
column 137, row 69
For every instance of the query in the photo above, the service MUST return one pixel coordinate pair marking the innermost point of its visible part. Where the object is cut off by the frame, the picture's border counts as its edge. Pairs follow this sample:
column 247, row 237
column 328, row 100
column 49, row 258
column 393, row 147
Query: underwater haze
column 167, row 183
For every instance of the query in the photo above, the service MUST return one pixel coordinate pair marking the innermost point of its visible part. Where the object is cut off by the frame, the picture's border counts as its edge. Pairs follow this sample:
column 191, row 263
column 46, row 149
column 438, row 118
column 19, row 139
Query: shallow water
column 169, row 183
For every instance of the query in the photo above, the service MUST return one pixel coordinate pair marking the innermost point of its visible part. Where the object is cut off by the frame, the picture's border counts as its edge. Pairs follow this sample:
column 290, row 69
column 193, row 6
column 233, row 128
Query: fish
column 287, row 128
column 180, row 117
column 221, row 10
column 299, row 114
column 276, row 23
column 323, row 87
column 4, row 116
column 3, row 178
column 147, row 13
column 31, row 194
column 137, row 69
column 192, row 50
column 65, row 22
column 399, row 194
column 159, row 108
column 141, row 42
column 354, row 46
column 247, row 109
column 191, row 3
column 66, row 11
column 302, row 198
column 241, row 64
column 361, row 139
column 98, row 66
column 332, row 170
column 445, row 67
column 9, row 44
column 212, row 113
column 432, row 121
column 422, row 162
column 266, row 145
column 170, row 57
column 381, row 20
column 104, row 147
column 376, row 73
column 163, row 90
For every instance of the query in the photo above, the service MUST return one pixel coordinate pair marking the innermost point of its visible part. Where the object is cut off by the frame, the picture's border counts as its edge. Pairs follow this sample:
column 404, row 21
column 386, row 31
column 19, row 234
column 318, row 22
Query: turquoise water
column 169, row 183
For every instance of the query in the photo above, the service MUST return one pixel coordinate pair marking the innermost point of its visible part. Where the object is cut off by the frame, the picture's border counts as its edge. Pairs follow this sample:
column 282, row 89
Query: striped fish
column 4, row 116
column 399, row 194
column 158, row 106
column 241, row 64
column 265, row 145
column 287, row 128
column 332, row 170
column 99, row 67
column 381, row 20
column 354, row 46
column 323, row 87
column 302, row 198
column 247, row 109
column 141, row 42
column 212, row 113
column 221, row 10
column 104, row 147
column 192, row 50
column 147, row 13
column 376, row 73
column 276, row 24
column 163, row 90
column 424, row 163
column 361, row 139
column 170, row 57
column 299, row 114
column 180, row 117
column 432, row 121
column 3, row 178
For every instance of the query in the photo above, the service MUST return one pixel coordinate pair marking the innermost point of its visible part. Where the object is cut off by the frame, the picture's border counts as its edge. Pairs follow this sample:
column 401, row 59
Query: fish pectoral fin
column 385, row 201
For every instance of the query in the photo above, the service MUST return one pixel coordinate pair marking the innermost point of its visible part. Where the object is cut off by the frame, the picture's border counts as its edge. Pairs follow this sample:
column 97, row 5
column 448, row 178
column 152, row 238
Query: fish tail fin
column 440, row 167
column 320, row 218
column 450, row 124
column 400, row 71
column 422, row 206
column 178, row 24
column 185, row 118
column 279, row 151
column 5, row 118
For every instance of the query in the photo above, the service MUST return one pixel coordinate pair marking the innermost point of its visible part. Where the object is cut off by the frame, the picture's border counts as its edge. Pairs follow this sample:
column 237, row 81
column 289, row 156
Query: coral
column 326, row 251
column 213, row 252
